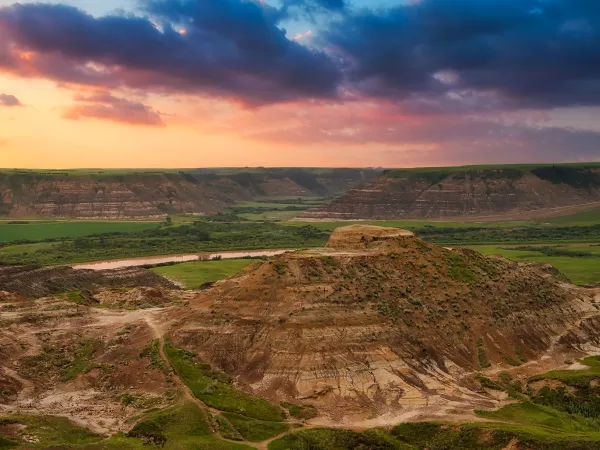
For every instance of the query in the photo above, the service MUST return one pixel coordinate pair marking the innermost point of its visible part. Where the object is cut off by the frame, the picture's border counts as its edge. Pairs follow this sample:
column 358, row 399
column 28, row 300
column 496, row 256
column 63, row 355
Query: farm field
column 193, row 274
column 579, row 262
column 39, row 231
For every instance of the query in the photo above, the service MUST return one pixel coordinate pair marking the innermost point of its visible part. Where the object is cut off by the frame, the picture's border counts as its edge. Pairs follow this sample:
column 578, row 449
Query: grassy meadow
column 193, row 274
column 579, row 262
column 13, row 231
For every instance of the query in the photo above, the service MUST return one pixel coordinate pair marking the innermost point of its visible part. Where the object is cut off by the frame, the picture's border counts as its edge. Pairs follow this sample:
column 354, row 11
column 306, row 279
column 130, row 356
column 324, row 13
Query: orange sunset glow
column 273, row 90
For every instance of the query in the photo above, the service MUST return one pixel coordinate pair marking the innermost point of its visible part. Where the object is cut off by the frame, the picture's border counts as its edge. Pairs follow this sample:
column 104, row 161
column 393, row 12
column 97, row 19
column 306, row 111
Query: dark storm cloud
column 9, row 100
column 531, row 52
column 105, row 106
column 230, row 48
column 431, row 56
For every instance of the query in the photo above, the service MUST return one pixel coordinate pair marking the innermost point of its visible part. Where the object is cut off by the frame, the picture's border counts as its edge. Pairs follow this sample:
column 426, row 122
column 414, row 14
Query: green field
column 582, row 218
column 194, row 274
column 39, row 231
column 579, row 269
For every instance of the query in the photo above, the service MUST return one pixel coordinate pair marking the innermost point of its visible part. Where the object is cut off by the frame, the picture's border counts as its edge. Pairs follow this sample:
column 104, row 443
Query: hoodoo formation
column 380, row 324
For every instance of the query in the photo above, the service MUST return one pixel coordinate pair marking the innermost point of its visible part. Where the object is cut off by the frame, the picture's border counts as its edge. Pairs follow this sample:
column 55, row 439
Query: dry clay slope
column 381, row 326
column 151, row 194
column 463, row 192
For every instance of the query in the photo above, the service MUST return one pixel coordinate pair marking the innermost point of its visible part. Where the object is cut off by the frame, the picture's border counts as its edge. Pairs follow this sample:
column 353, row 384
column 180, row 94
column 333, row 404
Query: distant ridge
column 137, row 193
column 478, row 192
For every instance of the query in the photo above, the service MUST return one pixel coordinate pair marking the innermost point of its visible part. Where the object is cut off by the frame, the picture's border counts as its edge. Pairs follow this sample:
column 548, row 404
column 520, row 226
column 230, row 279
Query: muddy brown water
column 136, row 262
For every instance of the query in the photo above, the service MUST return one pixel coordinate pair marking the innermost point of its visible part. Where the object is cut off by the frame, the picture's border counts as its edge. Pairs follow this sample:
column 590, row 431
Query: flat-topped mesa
column 359, row 237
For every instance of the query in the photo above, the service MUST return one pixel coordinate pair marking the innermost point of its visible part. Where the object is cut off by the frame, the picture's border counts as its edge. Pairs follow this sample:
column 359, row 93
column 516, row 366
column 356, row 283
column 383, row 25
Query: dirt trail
column 187, row 392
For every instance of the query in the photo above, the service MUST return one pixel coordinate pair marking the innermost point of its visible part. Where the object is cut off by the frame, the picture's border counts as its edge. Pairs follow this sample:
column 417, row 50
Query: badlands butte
column 379, row 340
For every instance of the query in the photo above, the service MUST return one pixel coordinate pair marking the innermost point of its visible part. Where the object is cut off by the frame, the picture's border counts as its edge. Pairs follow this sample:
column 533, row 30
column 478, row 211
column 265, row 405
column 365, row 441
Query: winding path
column 189, row 395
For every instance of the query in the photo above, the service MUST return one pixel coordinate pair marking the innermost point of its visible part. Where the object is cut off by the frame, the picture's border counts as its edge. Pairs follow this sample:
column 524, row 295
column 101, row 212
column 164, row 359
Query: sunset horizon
column 290, row 83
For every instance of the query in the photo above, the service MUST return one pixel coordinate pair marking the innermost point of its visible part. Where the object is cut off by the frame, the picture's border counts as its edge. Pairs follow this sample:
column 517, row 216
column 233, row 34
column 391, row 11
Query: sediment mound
column 36, row 281
column 355, row 237
column 363, row 332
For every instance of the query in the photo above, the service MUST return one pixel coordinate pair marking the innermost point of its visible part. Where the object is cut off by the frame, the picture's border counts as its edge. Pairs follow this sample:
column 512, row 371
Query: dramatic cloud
column 228, row 48
column 9, row 100
column 434, row 55
column 525, row 52
column 458, row 139
column 105, row 106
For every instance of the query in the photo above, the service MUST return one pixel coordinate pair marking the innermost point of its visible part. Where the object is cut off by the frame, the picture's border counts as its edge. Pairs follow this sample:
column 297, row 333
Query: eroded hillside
column 88, row 194
column 377, row 328
column 493, row 194
column 380, row 323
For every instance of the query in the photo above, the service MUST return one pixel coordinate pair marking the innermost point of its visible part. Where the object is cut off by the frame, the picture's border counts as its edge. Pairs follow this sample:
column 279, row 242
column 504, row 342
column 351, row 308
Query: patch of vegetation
column 484, row 363
column 302, row 412
column 338, row 439
column 528, row 413
column 21, row 231
column 226, row 429
column 255, row 430
column 440, row 436
column 152, row 352
column 189, row 238
column 182, row 427
column 577, row 177
column 488, row 384
column 579, row 393
column 139, row 401
column 574, row 378
column 49, row 430
column 69, row 362
column 511, row 361
column 521, row 355
column 196, row 273
column 579, row 270
column 82, row 363
column 214, row 388
column 5, row 443
column 457, row 268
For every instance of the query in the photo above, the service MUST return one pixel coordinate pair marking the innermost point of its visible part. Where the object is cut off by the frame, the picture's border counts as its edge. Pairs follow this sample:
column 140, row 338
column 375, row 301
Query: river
column 148, row 260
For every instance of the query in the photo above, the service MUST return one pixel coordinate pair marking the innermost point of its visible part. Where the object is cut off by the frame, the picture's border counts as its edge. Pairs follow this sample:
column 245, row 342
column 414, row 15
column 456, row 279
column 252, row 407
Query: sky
column 352, row 83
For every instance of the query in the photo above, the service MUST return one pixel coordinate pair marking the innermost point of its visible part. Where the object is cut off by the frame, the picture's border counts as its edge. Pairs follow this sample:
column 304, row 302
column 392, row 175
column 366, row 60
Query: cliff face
column 145, row 194
column 460, row 193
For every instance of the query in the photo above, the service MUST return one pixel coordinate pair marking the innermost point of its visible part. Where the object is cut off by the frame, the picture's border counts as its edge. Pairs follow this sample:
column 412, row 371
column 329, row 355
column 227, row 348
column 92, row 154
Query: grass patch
column 528, row 413
column 50, row 430
column 5, row 443
column 575, row 378
column 254, row 430
column 484, row 363
column 302, row 412
column 214, row 388
column 580, row 270
column 39, row 231
column 200, row 236
column 337, row 439
column 582, row 218
column 521, row 355
column 226, row 429
column 183, row 427
column 152, row 352
column 194, row 274
column 82, row 363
